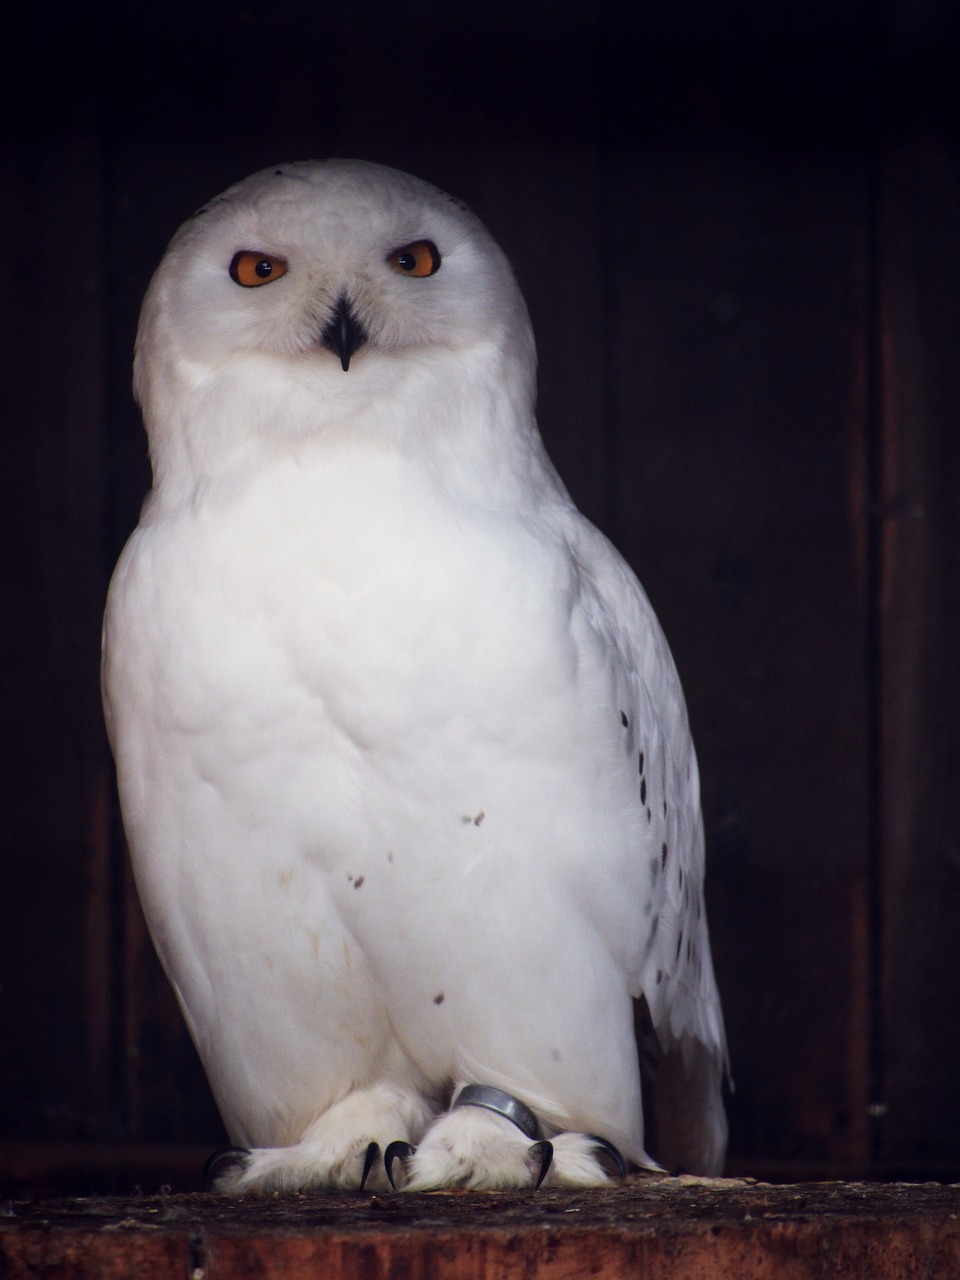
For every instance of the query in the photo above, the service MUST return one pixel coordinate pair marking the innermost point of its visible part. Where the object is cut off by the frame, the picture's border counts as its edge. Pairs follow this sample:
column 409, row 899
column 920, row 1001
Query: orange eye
column 250, row 268
column 421, row 258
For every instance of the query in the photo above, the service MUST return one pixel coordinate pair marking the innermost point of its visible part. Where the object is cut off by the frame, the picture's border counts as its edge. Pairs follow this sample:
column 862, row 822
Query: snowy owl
column 402, row 754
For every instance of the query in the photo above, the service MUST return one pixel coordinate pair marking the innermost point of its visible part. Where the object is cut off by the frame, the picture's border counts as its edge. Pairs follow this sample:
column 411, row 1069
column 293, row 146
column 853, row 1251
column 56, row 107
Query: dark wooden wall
column 737, row 230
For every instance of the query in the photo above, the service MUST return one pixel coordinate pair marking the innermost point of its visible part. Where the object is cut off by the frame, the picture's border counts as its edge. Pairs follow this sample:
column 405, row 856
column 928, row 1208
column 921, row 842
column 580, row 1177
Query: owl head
column 314, row 292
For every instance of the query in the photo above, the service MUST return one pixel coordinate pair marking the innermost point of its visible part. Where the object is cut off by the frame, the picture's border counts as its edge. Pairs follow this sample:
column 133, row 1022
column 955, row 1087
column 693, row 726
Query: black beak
column 344, row 334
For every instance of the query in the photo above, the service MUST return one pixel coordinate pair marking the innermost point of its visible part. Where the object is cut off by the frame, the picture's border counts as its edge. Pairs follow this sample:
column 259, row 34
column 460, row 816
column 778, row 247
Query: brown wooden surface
column 658, row 1229
column 745, row 296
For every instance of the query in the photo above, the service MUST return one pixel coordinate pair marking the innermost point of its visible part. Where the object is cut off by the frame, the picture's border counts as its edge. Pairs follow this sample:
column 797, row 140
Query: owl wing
column 670, row 969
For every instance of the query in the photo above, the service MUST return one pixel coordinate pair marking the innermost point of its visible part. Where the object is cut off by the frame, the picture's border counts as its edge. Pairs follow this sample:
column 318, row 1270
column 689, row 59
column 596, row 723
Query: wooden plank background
column 737, row 235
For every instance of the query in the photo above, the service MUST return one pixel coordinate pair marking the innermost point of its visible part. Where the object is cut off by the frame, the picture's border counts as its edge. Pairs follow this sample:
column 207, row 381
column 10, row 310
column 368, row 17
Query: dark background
column 736, row 225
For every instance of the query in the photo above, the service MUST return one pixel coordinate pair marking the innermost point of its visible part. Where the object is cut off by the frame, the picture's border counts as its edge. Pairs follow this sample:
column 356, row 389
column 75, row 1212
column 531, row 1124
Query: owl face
column 332, row 300
column 330, row 262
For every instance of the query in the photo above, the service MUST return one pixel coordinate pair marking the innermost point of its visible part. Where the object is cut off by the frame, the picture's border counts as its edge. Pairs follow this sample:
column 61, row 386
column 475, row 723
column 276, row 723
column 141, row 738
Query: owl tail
column 685, row 1125
column 688, row 1121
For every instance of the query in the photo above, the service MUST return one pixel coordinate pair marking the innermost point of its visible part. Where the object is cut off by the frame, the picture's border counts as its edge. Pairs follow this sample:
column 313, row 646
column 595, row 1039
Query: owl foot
column 307, row 1165
column 483, row 1142
column 584, row 1160
column 223, row 1162
column 336, row 1153
column 470, row 1147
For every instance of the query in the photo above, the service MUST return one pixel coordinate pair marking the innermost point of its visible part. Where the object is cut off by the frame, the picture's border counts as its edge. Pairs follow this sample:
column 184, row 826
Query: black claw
column 369, row 1160
column 544, row 1152
column 222, row 1159
column 608, row 1157
column 401, row 1151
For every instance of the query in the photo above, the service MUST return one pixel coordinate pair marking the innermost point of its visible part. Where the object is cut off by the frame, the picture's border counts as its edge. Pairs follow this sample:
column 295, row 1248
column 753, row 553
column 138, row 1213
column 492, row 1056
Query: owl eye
column 421, row 258
column 250, row 268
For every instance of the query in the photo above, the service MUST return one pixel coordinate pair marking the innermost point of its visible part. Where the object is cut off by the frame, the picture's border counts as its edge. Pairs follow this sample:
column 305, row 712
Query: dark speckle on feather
column 663, row 855
column 641, row 763
column 643, row 791
column 358, row 883
column 623, row 720
column 679, row 944
column 438, row 998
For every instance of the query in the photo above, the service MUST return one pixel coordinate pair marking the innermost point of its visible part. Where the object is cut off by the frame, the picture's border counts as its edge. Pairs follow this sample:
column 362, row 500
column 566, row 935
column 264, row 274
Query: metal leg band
column 504, row 1104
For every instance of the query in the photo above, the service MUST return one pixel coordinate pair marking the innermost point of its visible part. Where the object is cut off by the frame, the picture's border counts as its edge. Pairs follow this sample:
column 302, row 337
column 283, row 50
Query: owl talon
column 222, row 1161
column 369, row 1161
column 401, row 1151
column 609, row 1158
column 542, row 1151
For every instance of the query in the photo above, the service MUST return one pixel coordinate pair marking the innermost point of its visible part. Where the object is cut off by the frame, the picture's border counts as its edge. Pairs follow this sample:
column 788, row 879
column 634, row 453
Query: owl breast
column 351, row 708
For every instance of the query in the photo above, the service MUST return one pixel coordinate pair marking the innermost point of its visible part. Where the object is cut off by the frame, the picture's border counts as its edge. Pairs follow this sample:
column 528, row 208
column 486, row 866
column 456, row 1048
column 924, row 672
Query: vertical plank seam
column 875, row 569
column 111, row 112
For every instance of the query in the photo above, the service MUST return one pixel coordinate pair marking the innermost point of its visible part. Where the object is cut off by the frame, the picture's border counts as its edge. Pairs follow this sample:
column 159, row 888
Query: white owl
column 403, row 757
